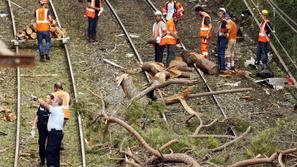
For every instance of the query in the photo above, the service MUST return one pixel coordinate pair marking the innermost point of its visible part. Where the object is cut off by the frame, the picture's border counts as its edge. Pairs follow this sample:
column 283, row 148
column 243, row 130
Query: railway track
column 24, row 145
column 201, row 75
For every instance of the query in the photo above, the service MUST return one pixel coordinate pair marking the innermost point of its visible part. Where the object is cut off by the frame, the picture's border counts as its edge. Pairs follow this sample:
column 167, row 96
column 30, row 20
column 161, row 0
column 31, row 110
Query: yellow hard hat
column 265, row 12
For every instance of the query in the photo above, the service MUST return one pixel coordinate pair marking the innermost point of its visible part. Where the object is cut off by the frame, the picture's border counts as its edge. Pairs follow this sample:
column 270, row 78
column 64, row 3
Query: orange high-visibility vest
column 169, row 39
column 42, row 21
column 204, row 29
column 232, row 29
column 177, row 8
column 157, row 30
column 262, row 34
column 89, row 11
column 66, row 99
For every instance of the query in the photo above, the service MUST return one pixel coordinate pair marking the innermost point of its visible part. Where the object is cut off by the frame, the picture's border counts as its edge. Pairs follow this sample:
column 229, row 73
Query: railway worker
column 43, row 18
column 222, row 39
column 58, row 92
column 159, row 31
column 94, row 9
column 205, row 30
column 232, row 35
column 263, row 39
column 55, row 130
column 173, row 8
column 40, row 121
column 170, row 39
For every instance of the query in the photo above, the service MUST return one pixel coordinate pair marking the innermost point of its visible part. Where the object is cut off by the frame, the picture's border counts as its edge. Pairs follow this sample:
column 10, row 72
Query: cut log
column 152, row 67
column 28, row 30
column 203, row 64
column 27, row 37
column 59, row 33
column 54, row 23
column 52, row 29
column 33, row 35
column 127, row 85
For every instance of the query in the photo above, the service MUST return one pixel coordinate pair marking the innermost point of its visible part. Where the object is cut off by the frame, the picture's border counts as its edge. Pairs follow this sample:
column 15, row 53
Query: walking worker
column 55, row 130
column 263, row 39
column 159, row 31
column 232, row 35
column 43, row 17
column 94, row 9
column 205, row 30
column 222, row 39
column 40, row 121
column 58, row 92
column 170, row 39
column 173, row 8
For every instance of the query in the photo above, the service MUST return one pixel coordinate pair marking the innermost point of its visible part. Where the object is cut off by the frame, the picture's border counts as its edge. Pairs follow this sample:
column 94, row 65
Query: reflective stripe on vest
column 204, row 29
column 157, row 30
column 262, row 34
column 42, row 22
column 89, row 11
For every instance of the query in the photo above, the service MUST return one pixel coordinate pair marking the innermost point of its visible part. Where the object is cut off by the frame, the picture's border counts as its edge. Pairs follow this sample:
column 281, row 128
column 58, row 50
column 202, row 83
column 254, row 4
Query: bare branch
column 232, row 141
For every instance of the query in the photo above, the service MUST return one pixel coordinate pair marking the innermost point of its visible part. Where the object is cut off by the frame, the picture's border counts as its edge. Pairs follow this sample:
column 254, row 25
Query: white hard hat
column 223, row 10
column 158, row 13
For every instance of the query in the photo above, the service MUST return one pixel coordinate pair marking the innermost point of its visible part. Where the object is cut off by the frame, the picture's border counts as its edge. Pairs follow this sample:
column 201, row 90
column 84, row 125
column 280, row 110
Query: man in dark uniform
column 40, row 121
column 93, row 11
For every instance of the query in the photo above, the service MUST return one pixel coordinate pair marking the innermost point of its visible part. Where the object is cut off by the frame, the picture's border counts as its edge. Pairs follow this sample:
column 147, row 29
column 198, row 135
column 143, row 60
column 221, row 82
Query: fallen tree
column 157, row 156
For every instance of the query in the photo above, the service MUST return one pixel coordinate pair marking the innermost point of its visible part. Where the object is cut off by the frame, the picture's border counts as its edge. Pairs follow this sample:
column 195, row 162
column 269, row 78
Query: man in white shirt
column 55, row 129
column 159, row 31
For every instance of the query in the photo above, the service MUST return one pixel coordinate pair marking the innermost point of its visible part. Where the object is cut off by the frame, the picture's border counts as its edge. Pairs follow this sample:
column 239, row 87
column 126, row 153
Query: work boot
column 89, row 38
column 95, row 39
column 47, row 57
column 42, row 59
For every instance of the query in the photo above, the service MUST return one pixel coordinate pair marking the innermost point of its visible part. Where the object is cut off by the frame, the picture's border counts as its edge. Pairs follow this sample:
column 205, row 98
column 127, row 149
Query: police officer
column 40, row 121
column 54, row 128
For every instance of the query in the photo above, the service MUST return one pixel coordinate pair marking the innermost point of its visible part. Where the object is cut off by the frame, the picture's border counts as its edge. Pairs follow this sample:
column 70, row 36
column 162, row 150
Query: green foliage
column 262, row 143
column 135, row 111
column 157, row 137
column 213, row 142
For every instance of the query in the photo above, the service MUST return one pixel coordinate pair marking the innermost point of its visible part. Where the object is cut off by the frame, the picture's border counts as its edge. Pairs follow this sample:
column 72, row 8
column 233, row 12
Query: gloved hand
column 158, row 40
column 100, row 12
column 32, row 133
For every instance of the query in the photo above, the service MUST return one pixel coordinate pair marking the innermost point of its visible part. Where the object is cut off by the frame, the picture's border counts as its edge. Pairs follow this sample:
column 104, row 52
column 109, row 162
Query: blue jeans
column 223, row 42
column 262, row 52
column 159, row 49
column 170, row 54
column 92, row 26
column 40, row 36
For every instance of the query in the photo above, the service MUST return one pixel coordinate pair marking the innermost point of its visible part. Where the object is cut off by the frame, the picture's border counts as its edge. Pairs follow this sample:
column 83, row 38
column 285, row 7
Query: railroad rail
column 200, row 73
column 18, row 112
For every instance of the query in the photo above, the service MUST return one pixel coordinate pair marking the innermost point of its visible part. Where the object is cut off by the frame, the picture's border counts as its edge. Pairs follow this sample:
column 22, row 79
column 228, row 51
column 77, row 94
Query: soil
column 271, row 116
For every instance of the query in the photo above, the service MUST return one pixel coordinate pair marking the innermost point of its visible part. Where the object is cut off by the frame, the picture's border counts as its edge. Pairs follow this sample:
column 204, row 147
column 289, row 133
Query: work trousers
column 170, row 54
column 47, row 36
column 159, row 49
column 262, row 52
column 53, row 148
column 43, row 134
column 204, row 47
column 93, row 26
column 223, row 41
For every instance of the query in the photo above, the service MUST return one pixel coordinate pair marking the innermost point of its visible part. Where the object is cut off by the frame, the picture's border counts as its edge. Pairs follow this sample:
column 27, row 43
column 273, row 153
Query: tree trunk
column 205, row 65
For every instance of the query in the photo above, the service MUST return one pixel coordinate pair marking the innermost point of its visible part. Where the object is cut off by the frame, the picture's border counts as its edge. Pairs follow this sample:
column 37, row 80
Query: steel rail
column 271, row 45
column 282, row 12
column 282, row 17
column 276, row 38
column 200, row 73
column 127, row 35
column 17, row 140
column 81, row 134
